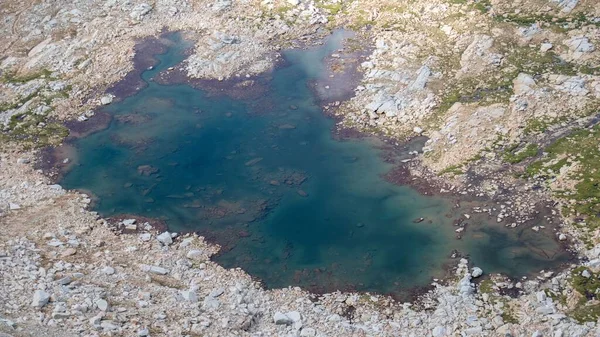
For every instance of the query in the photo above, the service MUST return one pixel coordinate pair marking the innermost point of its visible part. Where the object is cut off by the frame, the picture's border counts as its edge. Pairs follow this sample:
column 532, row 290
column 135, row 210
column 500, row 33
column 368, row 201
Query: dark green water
column 288, row 203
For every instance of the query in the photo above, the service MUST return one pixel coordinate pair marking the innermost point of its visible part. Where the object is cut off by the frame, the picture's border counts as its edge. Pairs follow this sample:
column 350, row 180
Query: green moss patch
column 12, row 77
column 515, row 157
column 586, row 286
column 586, row 313
column 33, row 130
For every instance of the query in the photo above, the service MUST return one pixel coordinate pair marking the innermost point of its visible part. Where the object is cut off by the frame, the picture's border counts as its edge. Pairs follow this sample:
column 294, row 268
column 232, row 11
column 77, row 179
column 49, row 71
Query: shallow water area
column 288, row 203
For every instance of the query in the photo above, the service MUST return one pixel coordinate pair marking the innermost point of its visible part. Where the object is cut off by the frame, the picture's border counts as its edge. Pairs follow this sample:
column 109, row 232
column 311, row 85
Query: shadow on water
column 287, row 202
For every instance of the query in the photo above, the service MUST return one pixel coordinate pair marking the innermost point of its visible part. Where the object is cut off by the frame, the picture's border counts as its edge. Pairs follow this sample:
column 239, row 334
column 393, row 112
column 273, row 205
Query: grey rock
column 155, row 269
column 308, row 332
column 173, row 11
column 529, row 32
column 216, row 292
column 545, row 310
column 140, row 11
column 65, row 280
column 523, row 84
column 95, row 321
column 60, row 315
column 438, row 331
column 194, row 254
column 421, row 79
column 475, row 331
column 464, row 286
column 282, row 319
column 567, row 5
column 210, row 303
column 7, row 322
column 541, row 296
column 165, row 238
column 189, row 295
column 109, row 326
column 586, row 273
column 580, row 44
column 221, row 5
column 477, row 272
column 289, row 318
column 106, row 100
column 545, row 47
column 574, row 86
column 102, row 304
column 128, row 222
column 108, row 270
column 40, row 299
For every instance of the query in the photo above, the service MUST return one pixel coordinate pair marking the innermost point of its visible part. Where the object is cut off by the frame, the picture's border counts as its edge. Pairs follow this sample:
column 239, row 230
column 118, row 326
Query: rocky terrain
column 506, row 91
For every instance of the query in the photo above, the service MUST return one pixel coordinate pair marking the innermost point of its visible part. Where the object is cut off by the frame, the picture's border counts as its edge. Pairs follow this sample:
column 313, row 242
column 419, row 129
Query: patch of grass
column 509, row 317
column 483, row 6
column 531, row 61
column 516, row 157
column 582, row 147
column 586, row 313
column 12, row 77
column 557, row 298
column 333, row 9
column 588, row 70
column 557, row 23
column 361, row 21
column 19, row 102
column 33, row 130
column 282, row 11
column 471, row 90
column 586, row 286
column 535, row 126
column 486, row 287
column 453, row 169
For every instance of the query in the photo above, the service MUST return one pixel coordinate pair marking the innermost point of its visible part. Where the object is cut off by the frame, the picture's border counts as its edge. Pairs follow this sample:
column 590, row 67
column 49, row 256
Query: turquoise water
column 287, row 202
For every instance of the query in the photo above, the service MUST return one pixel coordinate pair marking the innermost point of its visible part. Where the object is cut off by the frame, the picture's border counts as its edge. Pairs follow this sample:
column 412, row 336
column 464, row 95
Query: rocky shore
column 506, row 92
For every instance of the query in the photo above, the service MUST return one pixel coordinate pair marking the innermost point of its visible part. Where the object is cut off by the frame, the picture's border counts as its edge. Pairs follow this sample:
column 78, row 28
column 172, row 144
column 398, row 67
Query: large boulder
column 523, row 84
column 165, row 238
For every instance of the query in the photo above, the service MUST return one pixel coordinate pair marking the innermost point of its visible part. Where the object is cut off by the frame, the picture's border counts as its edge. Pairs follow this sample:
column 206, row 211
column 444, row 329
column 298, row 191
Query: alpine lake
column 288, row 202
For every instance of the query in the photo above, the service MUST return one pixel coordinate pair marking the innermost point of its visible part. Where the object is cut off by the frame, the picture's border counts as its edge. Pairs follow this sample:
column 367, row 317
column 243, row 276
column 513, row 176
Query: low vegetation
column 515, row 156
column 586, row 283
column 13, row 77
column 29, row 124
column 557, row 23
column 581, row 152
